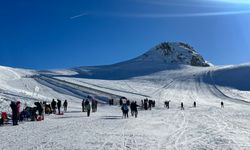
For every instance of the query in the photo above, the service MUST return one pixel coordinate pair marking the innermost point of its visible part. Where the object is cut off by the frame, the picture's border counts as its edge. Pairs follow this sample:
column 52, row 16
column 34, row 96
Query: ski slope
column 150, row 76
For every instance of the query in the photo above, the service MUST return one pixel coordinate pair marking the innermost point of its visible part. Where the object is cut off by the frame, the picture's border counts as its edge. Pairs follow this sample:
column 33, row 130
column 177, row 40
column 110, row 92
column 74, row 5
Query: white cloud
column 80, row 15
column 202, row 14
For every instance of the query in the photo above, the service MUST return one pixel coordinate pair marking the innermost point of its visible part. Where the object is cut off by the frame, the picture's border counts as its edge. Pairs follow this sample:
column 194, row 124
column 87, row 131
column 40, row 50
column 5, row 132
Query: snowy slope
column 169, row 71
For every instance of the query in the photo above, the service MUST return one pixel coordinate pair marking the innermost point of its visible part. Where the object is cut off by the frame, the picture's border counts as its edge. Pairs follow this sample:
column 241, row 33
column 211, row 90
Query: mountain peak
column 174, row 53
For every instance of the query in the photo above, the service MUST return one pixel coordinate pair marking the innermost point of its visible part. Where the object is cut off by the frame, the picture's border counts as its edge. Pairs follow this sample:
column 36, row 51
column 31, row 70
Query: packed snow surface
column 206, row 127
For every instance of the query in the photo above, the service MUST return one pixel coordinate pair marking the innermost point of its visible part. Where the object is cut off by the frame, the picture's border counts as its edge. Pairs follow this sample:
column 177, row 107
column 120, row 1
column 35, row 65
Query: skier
column 59, row 104
column 13, row 107
column 53, row 105
column 65, row 105
column 88, row 107
column 222, row 104
column 182, row 106
column 194, row 104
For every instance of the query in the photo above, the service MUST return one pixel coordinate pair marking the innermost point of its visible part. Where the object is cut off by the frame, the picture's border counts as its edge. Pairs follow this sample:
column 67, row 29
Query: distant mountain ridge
column 174, row 53
column 164, row 56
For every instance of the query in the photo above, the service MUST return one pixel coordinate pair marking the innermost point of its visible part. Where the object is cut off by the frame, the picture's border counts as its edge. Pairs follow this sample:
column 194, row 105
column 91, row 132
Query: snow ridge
column 174, row 53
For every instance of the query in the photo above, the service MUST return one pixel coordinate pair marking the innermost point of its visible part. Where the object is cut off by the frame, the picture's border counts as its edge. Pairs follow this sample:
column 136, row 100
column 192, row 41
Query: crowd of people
column 87, row 106
column 37, row 112
column 31, row 113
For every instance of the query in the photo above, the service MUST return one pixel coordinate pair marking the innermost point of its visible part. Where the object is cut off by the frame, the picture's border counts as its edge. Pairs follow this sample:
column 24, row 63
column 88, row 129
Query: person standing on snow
column 194, row 104
column 167, row 104
column 222, row 104
column 13, row 107
column 88, row 107
column 65, row 105
column 134, row 110
column 53, row 105
column 18, row 105
column 59, row 104
column 125, row 110
column 182, row 106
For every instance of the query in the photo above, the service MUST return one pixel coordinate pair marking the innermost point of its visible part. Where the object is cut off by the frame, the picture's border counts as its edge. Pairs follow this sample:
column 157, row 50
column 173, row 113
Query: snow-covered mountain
column 173, row 53
column 165, row 65
column 164, row 56
column 168, row 71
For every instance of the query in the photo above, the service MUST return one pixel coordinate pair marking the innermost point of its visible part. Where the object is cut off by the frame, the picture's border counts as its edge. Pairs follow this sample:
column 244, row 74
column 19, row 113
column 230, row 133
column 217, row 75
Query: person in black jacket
column 182, row 106
column 88, row 107
column 134, row 110
column 194, row 104
column 14, row 113
column 65, row 105
column 59, row 104
column 222, row 104
column 53, row 105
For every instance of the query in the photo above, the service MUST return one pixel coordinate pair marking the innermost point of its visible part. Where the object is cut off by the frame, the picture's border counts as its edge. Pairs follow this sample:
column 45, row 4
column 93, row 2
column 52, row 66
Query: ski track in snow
column 157, row 129
column 205, row 127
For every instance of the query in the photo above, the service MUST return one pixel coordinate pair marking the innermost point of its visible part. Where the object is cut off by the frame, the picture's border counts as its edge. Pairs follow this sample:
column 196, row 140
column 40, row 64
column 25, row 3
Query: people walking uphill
column 13, row 107
column 83, row 105
column 59, row 104
column 182, row 106
column 53, row 106
column 65, row 105
column 194, row 104
column 88, row 107
column 125, row 110
column 222, row 104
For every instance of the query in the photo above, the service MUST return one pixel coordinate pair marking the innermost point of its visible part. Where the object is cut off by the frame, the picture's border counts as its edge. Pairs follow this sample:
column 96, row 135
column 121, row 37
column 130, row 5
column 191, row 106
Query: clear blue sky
column 47, row 34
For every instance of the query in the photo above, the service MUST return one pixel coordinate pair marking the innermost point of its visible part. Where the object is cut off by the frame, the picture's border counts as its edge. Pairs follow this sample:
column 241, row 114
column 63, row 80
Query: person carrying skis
column 65, row 105
column 88, row 107
column 182, row 106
